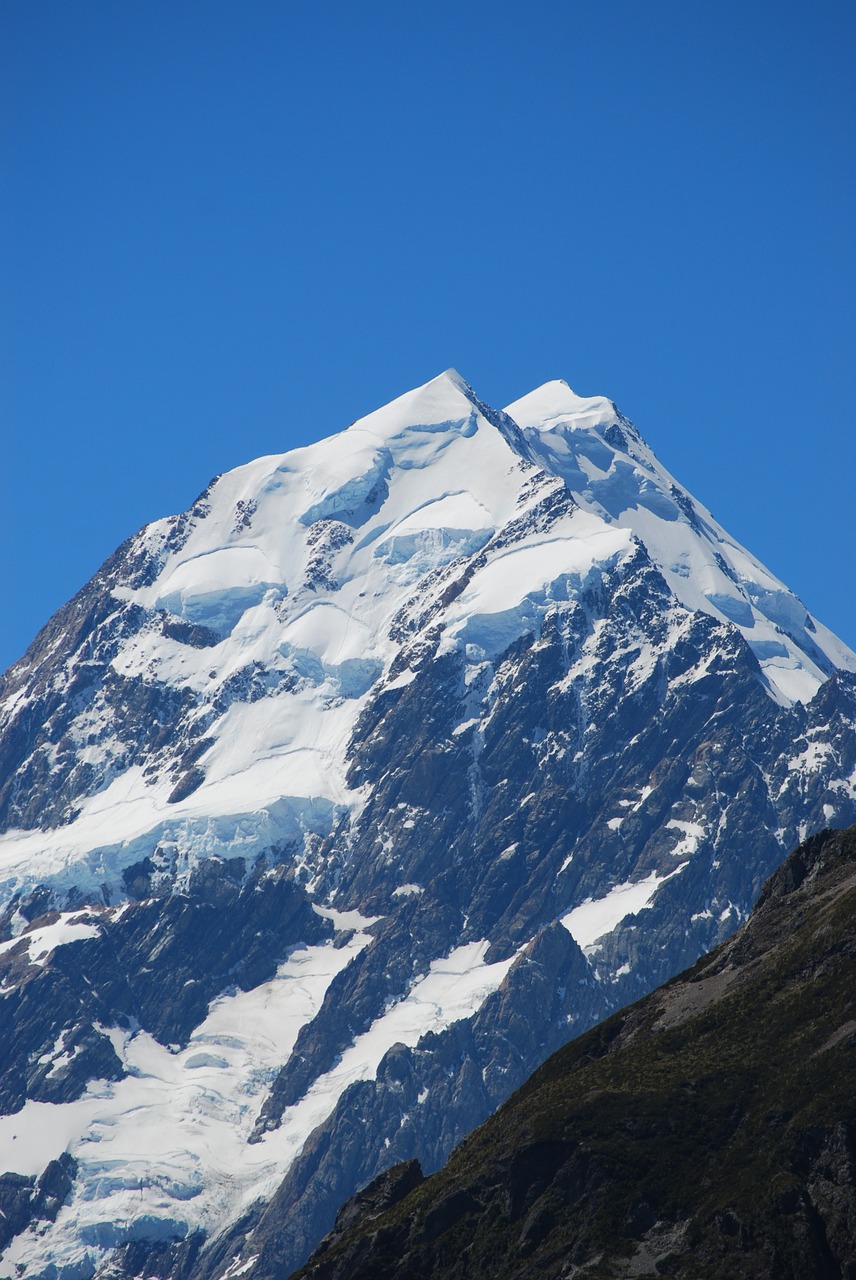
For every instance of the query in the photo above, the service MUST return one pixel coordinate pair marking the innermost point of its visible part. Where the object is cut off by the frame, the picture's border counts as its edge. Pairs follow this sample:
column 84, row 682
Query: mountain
column 708, row 1130
column 333, row 806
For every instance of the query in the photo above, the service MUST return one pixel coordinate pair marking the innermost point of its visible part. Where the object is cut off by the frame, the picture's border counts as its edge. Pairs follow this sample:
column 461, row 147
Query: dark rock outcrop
column 27, row 1200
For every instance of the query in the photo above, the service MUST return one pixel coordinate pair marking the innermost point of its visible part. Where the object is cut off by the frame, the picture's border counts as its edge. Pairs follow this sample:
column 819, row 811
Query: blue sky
column 232, row 228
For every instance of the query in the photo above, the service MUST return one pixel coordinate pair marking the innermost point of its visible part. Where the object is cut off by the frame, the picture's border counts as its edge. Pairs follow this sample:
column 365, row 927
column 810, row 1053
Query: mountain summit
column 333, row 805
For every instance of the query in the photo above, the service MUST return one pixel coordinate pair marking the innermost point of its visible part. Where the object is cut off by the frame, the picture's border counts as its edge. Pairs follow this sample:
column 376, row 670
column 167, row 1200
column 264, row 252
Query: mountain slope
column 708, row 1130
column 334, row 805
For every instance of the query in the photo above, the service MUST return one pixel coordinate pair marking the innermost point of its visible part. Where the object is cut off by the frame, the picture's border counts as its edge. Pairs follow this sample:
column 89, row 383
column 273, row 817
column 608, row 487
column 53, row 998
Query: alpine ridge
column 706, row 1131
column 332, row 806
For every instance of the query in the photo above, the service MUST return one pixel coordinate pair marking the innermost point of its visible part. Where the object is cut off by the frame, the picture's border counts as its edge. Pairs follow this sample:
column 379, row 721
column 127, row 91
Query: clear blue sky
column 230, row 228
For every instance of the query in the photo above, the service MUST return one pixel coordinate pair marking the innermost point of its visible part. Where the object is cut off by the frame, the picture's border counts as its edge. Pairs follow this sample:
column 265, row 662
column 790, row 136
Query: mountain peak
column 555, row 402
column 445, row 399
column 452, row 375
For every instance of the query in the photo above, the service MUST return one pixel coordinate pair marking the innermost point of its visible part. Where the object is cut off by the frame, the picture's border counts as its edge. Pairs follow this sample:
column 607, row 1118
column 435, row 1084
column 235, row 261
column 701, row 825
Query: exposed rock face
column 35, row 1201
column 708, row 1130
column 333, row 806
column 423, row 1097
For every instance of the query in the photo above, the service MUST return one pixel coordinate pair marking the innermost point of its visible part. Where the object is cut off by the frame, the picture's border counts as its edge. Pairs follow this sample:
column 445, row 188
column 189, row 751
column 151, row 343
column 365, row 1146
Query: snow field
column 167, row 1145
column 164, row 1151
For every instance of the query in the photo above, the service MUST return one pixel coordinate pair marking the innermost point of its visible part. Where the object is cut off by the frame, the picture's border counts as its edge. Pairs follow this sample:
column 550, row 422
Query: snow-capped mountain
column 334, row 804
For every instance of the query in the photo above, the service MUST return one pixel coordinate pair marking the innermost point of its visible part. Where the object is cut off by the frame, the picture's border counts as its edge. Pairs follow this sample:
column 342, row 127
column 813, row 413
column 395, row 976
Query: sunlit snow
column 71, row 926
column 597, row 916
column 165, row 1150
column 168, row 1143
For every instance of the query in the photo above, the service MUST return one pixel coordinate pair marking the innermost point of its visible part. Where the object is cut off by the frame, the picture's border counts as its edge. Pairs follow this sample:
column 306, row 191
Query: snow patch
column 408, row 891
column 597, row 916
column 70, row 927
column 693, row 834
